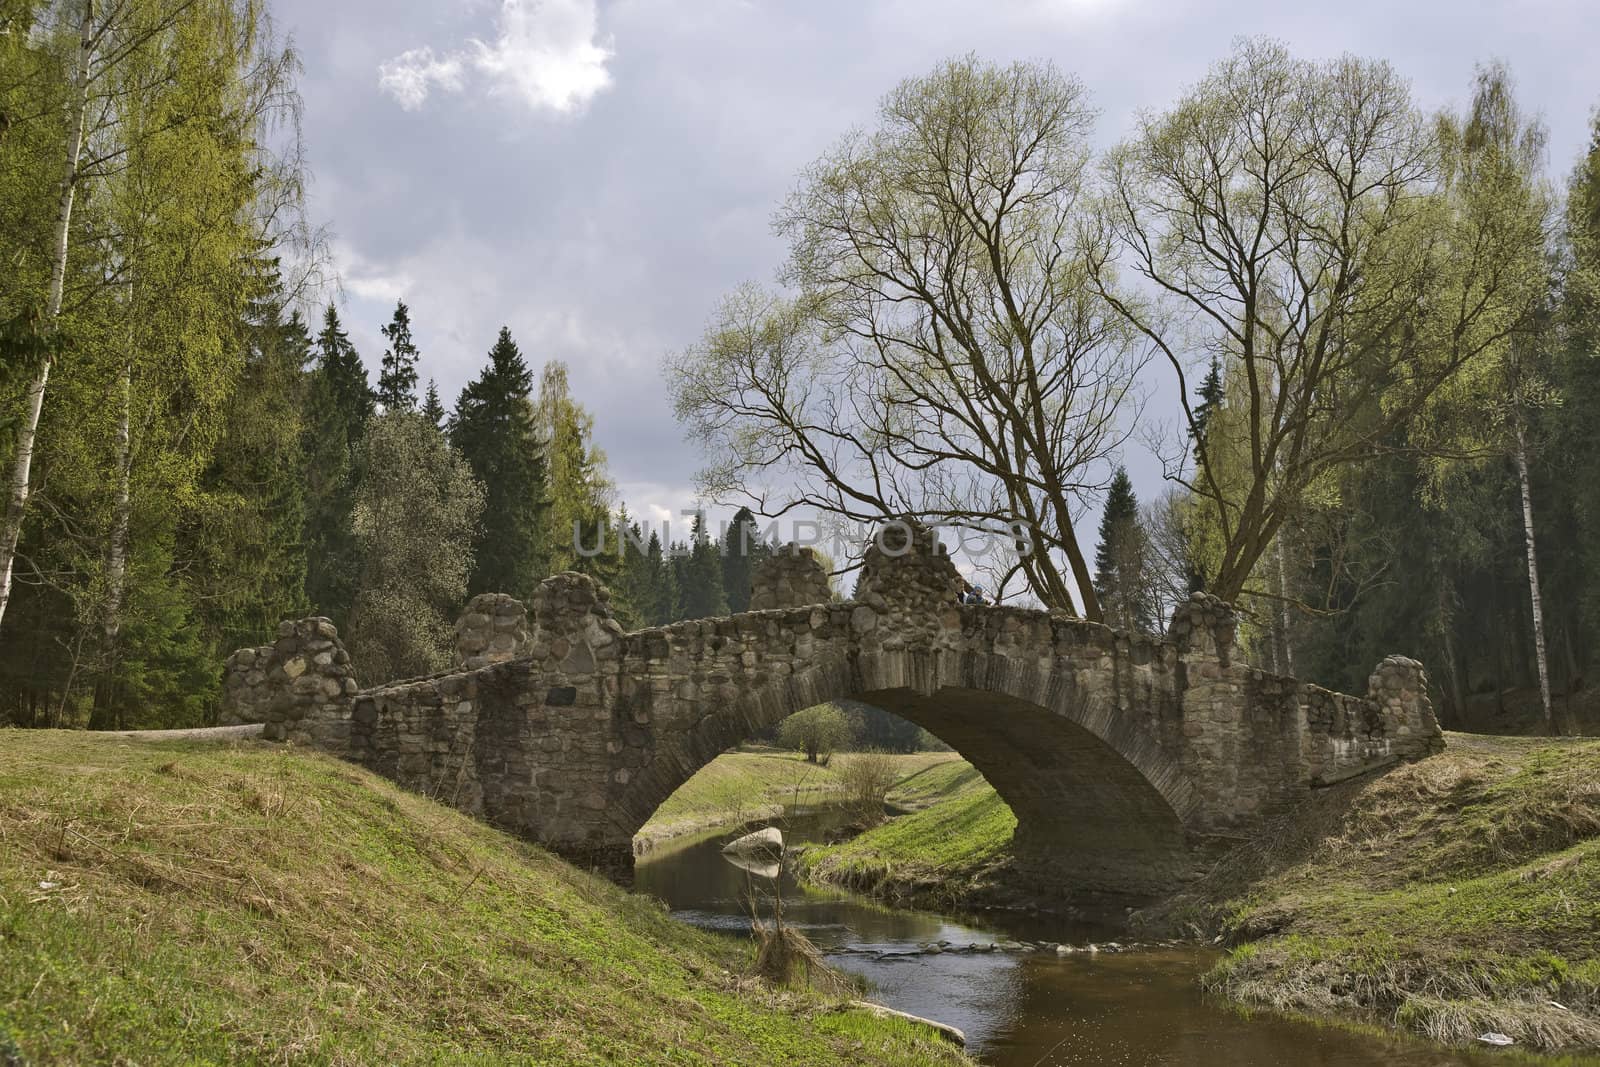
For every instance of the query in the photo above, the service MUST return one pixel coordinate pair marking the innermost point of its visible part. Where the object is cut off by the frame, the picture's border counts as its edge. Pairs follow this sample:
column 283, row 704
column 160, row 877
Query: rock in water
column 764, row 841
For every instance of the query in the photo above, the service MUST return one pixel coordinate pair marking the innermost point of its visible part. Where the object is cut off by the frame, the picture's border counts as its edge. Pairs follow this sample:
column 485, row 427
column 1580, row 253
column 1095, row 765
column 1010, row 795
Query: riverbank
column 1453, row 897
column 184, row 901
column 758, row 783
column 1449, row 898
column 950, row 851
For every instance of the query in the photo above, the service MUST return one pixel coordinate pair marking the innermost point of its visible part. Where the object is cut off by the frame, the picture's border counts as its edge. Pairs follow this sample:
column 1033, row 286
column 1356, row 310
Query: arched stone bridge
column 1125, row 758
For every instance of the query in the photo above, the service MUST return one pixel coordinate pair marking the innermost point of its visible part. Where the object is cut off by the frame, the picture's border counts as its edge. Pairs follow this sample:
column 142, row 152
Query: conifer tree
column 339, row 405
column 701, row 595
column 432, row 408
column 397, row 381
column 252, row 539
column 663, row 601
column 1578, row 420
column 1122, row 577
column 493, row 429
column 1209, row 398
column 742, row 549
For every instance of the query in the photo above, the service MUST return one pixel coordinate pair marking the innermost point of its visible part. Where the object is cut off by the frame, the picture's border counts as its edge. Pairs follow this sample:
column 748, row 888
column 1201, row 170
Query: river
column 1018, row 1008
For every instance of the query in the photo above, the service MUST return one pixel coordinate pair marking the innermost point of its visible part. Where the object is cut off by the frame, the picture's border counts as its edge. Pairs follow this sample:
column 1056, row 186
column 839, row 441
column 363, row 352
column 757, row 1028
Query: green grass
column 756, row 783
column 181, row 902
column 1450, row 897
column 947, row 853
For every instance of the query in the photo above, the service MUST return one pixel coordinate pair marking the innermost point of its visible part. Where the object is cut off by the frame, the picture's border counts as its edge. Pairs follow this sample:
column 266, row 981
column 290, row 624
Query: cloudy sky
column 595, row 175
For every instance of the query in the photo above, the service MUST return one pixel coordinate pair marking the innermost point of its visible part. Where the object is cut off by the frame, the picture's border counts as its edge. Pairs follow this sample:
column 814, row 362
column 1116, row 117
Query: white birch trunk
column 1283, row 608
column 28, row 431
column 1533, row 579
column 117, row 551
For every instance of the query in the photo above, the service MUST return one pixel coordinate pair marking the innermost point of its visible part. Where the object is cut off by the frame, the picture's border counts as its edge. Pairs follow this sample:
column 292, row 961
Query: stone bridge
column 1127, row 759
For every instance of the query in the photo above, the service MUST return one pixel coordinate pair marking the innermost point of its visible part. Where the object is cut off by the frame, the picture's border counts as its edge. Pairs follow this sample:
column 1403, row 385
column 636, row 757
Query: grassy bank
column 180, row 902
column 756, row 783
column 950, row 851
column 1451, row 897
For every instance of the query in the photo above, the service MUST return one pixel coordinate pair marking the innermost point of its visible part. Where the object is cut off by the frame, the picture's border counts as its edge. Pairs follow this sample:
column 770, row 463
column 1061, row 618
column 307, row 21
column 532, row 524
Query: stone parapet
column 312, row 686
column 492, row 629
column 1123, row 756
column 246, row 694
column 792, row 576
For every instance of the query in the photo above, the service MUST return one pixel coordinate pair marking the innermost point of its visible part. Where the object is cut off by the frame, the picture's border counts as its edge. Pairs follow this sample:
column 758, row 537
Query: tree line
column 1373, row 329
column 189, row 460
column 1378, row 326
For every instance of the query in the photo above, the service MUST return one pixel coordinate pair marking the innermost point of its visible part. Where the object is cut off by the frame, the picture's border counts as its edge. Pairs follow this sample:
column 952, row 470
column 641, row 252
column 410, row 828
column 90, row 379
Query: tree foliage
column 494, row 428
column 817, row 731
column 416, row 513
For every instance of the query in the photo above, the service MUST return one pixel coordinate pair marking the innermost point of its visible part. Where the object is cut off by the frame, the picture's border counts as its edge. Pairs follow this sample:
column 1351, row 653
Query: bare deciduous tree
column 944, row 354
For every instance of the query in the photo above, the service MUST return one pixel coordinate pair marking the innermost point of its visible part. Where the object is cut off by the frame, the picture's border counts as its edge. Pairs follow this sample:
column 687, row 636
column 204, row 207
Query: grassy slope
column 739, row 786
column 951, row 851
column 182, row 902
column 1450, row 897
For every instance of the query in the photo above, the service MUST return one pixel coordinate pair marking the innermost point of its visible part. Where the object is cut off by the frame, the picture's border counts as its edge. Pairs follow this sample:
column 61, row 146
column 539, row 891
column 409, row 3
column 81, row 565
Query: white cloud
column 546, row 53
column 366, row 280
column 409, row 76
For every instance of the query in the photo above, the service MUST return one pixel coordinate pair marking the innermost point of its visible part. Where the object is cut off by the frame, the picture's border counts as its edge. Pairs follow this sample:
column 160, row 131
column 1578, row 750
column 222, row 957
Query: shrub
column 816, row 731
column 867, row 778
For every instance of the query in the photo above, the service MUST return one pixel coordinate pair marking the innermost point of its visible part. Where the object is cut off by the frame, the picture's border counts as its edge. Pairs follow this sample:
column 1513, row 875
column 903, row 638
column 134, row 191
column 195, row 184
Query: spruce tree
column 252, row 547
column 1209, row 397
column 493, row 429
column 397, row 381
column 1122, row 561
column 742, row 549
column 432, row 409
column 635, row 590
column 1577, row 431
column 663, row 600
column 339, row 405
column 701, row 594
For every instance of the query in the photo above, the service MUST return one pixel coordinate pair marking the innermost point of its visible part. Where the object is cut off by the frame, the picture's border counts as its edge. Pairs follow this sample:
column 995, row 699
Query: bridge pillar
column 246, row 696
column 907, row 615
column 301, row 686
column 565, row 731
column 1399, row 687
column 1204, row 627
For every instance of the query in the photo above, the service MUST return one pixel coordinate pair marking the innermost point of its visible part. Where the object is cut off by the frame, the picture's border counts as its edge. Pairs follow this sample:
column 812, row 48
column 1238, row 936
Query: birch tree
column 146, row 78
column 1496, row 159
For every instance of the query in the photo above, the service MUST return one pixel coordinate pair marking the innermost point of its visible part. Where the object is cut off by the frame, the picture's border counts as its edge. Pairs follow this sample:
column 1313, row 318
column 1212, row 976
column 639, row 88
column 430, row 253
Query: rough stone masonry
column 1127, row 759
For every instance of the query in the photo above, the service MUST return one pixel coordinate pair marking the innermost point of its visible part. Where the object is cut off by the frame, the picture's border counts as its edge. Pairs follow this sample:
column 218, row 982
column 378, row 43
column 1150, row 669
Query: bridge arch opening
column 1098, row 808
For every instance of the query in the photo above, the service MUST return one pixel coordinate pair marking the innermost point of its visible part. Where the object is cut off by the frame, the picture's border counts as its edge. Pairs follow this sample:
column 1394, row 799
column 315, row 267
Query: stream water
column 1018, row 1008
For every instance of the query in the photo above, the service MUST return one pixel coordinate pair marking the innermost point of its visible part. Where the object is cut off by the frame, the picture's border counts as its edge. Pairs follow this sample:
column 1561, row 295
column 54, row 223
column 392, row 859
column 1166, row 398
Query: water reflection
column 1017, row 1009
